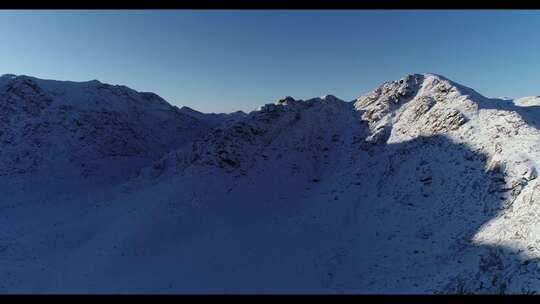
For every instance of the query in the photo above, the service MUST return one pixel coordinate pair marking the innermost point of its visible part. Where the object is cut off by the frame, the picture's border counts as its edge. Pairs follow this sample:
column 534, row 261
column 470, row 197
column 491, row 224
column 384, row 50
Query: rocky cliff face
column 420, row 186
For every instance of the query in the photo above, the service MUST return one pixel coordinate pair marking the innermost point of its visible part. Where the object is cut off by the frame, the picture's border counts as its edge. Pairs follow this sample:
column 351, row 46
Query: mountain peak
column 286, row 100
column 188, row 109
column 330, row 97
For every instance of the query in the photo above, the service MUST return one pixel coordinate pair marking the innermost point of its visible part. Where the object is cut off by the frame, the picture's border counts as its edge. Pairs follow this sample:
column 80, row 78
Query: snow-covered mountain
column 85, row 128
column 421, row 186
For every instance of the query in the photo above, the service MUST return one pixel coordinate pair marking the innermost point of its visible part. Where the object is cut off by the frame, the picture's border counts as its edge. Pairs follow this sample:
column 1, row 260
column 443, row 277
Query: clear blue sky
column 222, row 61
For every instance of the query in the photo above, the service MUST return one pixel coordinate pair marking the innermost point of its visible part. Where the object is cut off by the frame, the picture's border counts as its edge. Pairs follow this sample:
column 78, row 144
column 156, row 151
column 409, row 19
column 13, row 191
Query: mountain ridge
column 421, row 185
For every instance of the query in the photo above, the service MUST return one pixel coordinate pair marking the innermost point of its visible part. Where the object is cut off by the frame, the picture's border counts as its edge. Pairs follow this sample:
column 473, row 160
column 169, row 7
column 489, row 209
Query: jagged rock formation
column 420, row 186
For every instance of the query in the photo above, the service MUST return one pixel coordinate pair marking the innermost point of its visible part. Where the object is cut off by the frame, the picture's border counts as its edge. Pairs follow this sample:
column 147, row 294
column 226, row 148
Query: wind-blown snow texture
column 421, row 186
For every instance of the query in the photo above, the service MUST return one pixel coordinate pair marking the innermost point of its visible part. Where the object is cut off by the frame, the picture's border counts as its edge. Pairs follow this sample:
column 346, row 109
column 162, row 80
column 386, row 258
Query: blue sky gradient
column 222, row 61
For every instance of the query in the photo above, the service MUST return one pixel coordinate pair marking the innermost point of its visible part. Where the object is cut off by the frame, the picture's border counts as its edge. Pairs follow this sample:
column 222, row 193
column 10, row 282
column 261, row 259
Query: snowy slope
column 421, row 186
column 85, row 129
